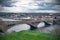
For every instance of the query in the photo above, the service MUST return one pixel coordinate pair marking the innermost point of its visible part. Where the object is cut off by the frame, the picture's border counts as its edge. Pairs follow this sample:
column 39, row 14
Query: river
column 50, row 29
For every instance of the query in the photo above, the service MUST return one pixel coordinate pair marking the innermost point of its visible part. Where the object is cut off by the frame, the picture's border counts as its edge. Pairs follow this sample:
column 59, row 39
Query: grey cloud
column 45, row 6
column 1, row 8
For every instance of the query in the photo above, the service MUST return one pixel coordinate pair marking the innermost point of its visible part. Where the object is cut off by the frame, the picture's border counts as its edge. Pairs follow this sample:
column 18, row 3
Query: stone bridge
column 4, row 24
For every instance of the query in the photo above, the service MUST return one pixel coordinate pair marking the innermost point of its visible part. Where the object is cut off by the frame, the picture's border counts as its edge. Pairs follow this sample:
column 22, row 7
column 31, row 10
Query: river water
column 47, row 29
column 50, row 29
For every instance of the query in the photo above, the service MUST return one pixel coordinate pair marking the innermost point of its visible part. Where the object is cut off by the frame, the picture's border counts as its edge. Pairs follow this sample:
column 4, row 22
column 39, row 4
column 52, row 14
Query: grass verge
column 29, row 35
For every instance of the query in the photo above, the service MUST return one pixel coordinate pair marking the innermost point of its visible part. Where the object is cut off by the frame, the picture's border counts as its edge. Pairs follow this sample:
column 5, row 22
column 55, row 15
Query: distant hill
column 4, row 14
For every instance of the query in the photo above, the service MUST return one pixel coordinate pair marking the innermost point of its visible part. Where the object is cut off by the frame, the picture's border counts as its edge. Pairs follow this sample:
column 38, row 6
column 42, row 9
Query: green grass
column 29, row 35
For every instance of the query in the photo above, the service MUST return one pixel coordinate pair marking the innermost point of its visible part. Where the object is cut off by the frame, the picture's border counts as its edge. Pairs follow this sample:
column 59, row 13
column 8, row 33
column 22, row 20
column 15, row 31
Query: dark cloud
column 6, row 3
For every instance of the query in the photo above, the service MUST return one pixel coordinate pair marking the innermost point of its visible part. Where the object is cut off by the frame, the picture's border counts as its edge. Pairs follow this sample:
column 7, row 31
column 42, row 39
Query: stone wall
column 3, row 26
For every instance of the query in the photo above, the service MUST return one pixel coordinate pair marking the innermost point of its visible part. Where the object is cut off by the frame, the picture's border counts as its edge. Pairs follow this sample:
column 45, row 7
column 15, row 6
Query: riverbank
column 29, row 35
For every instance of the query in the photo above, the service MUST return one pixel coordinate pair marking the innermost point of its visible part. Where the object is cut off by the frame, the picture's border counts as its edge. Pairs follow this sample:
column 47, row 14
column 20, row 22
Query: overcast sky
column 44, row 6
